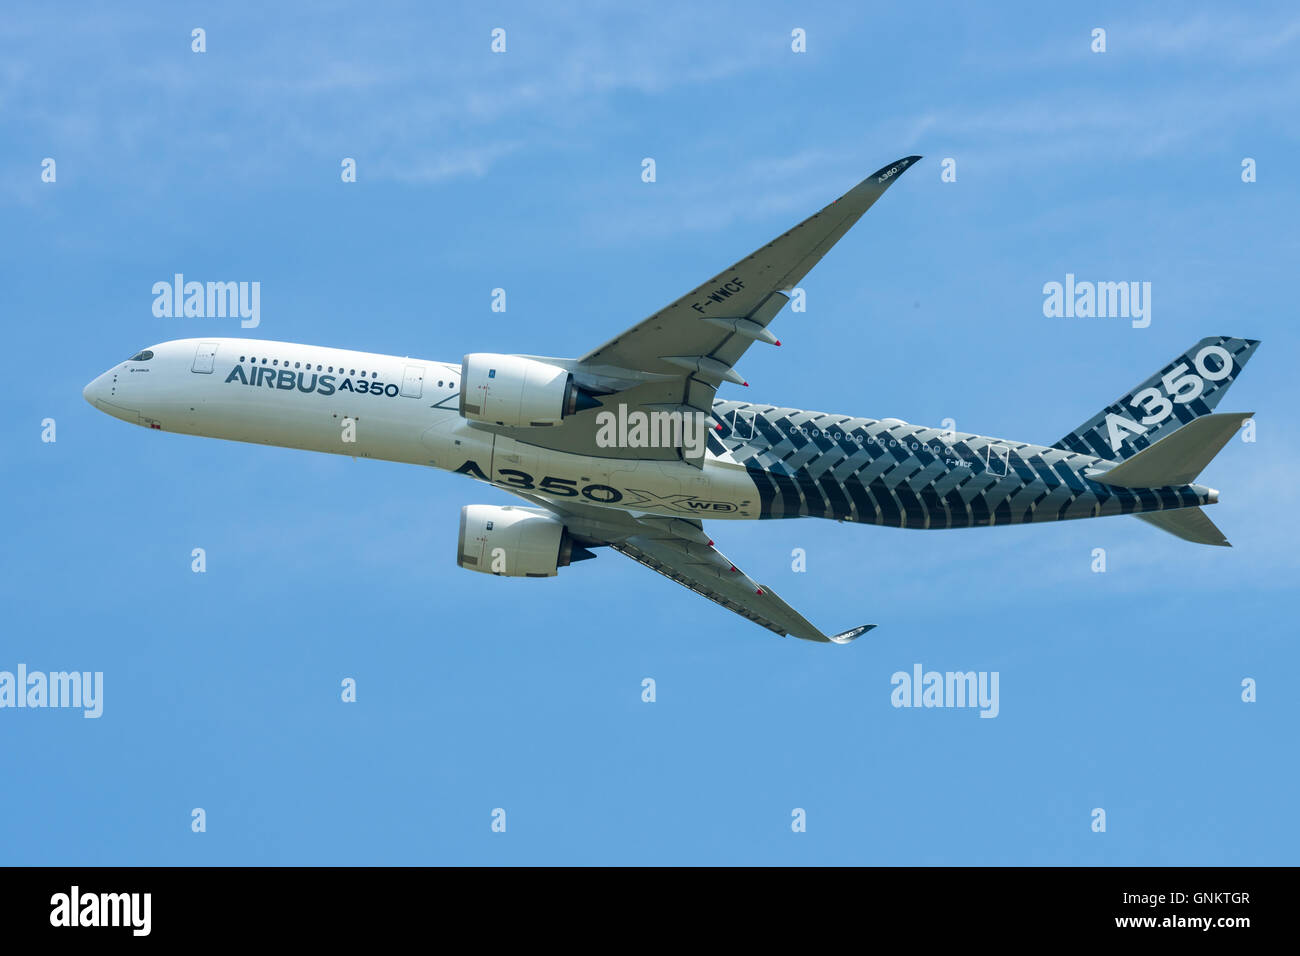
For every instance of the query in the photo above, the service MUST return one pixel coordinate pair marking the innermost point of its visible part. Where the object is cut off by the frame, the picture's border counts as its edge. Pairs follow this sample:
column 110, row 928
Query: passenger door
column 413, row 381
column 204, row 357
column 996, row 457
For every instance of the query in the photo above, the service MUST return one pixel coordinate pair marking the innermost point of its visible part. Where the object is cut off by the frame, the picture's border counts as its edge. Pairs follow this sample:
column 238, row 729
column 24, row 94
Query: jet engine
column 515, row 542
column 517, row 391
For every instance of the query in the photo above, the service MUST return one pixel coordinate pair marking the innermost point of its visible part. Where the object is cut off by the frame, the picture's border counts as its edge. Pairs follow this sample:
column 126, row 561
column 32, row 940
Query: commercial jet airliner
column 629, row 447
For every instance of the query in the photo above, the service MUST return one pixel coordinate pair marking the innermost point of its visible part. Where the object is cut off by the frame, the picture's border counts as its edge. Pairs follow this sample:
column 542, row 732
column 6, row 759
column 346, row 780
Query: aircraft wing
column 705, row 331
column 676, row 359
column 678, row 548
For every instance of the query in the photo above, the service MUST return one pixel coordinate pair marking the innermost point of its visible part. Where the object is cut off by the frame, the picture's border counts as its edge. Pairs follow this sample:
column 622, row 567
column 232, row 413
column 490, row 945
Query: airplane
column 629, row 447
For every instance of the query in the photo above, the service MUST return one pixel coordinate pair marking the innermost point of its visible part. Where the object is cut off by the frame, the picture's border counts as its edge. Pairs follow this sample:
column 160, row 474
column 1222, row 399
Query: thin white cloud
column 421, row 106
column 451, row 164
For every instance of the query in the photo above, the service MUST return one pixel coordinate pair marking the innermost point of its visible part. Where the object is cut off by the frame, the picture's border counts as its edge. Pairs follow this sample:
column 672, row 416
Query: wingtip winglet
column 851, row 635
column 886, row 174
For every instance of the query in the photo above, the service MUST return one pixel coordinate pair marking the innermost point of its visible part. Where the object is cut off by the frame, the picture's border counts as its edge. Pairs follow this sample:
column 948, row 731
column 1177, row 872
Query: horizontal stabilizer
column 1177, row 458
column 1190, row 524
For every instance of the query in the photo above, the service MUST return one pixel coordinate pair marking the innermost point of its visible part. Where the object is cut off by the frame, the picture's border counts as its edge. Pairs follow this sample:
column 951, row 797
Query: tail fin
column 1190, row 524
column 1187, row 388
column 1177, row 458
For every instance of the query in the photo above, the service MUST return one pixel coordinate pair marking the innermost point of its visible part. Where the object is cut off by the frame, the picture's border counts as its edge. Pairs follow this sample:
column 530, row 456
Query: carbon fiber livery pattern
column 811, row 464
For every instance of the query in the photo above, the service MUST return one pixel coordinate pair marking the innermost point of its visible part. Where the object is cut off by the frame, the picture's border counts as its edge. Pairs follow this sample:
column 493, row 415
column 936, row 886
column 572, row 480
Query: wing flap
column 679, row 549
column 717, row 579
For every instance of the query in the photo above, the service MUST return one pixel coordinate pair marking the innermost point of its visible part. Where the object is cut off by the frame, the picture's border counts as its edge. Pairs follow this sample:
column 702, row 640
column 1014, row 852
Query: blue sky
column 1119, row 690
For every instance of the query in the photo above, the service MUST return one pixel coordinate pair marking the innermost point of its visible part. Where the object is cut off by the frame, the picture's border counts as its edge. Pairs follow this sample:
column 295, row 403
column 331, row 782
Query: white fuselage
column 366, row 405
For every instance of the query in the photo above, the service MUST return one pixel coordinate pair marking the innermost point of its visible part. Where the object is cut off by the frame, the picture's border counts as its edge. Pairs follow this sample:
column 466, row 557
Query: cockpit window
column 144, row 356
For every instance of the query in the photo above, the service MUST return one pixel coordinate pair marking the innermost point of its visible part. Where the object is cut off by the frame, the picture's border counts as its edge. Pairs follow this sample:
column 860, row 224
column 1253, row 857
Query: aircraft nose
column 96, row 391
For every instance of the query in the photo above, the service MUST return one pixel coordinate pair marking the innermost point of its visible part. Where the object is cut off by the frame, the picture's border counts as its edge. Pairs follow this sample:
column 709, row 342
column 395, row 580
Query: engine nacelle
column 522, row 392
column 515, row 542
